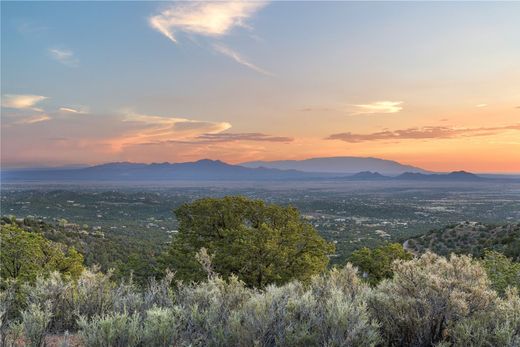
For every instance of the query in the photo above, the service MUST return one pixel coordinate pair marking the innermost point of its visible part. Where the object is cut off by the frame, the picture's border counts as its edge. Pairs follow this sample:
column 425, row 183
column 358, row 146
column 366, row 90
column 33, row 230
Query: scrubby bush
column 205, row 310
column 161, row 327
column 126, row 297
column 428, row 296
column 114, row 330
column 499, row 326
column 329, row 312
column 35, row 322
column 7, row 301
column 58, row 295
column 93, row 293
column 159, row 293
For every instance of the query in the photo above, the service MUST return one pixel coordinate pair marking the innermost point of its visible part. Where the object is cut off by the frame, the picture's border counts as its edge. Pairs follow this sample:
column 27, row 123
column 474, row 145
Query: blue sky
column 115, row 86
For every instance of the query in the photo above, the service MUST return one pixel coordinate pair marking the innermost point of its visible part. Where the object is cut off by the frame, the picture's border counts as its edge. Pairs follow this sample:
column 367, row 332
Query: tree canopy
column 502, row 271
column 258, row 242
column 376, row 263
column 25, row 255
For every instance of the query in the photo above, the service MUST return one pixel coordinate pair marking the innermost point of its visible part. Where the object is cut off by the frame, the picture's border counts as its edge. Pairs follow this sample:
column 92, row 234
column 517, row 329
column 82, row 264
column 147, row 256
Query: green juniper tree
column 258, row 242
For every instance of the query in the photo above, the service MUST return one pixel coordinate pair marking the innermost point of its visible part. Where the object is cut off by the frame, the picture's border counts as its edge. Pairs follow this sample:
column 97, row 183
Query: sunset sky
column 435, row 85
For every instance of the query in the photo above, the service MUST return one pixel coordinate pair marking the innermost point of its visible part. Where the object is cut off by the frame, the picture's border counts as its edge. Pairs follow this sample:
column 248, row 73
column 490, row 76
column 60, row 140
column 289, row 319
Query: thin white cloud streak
column 26, row 101
column 228, row 52
column 64, row 56
column 33, row 119
column 178, row 123
column 379, row 107
column 81, row 110
column 204, row 18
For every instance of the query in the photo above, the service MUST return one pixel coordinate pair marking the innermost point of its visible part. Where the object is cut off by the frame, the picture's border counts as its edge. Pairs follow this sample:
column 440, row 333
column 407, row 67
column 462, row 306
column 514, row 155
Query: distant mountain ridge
column 204, row 169
column 209, row 170
column 415, row 176
column 452, row 176
column 339, row 165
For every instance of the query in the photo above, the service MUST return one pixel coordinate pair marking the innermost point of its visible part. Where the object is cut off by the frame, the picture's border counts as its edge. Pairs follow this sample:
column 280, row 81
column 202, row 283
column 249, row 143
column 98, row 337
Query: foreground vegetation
column 429, row 301
column 246, row 273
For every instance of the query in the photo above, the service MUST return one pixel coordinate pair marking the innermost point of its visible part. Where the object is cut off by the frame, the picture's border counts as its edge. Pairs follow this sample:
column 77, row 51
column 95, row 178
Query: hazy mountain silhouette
column 368, row 175
column 199, row 170
column 452, row 176
column 208, row 170
column 351, row 165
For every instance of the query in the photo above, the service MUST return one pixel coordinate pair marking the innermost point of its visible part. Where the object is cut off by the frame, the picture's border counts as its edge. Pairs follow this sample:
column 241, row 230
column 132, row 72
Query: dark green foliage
column 502, row 271
column 26, row 255
column 126, row 255
column 257, row 242
column 376, row 263
column 471, row 238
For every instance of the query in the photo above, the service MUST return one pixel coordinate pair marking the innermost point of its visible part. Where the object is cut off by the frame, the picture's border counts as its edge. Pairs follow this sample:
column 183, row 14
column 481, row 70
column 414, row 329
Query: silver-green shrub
column 126, row 297
column 93, row 294
column 161, row 327
column 498, row 326
column 329, row 312
column 13, row 335
column 427, row 297
column 159, row 293
column 114, row 330
column 35, row 322
column 7, row 301
column 205, row 309
column 58, row 294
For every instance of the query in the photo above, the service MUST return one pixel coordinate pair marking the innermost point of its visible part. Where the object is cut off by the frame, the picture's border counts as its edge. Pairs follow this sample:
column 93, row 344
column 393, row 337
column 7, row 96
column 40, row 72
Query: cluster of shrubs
column 471, row 238
column 429, row 301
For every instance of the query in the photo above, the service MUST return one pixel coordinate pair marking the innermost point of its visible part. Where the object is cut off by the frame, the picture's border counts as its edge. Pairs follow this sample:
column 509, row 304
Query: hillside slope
column 470, row 238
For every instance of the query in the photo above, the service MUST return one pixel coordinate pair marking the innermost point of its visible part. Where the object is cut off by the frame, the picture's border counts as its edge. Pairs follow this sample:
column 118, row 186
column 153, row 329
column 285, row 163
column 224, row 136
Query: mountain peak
column 461, row 173
column 368, row 175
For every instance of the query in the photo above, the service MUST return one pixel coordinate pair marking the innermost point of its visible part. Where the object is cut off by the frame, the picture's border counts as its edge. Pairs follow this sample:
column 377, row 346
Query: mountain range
column 124, row 171
column 208, row 170
column 338, row 165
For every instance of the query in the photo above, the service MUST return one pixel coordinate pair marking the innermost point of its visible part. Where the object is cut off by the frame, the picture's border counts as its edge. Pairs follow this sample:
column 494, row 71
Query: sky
column 431, row 84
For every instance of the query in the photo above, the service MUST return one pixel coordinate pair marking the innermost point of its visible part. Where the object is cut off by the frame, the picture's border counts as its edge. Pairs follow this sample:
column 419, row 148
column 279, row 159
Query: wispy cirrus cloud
column 228, row 52
column 379, row 107
column 33, row 119
column 22, row 101
column 64, row 56
column 232, row 137
column 210, row 19
column 204, row 18
column 152, row 128
column 429, row 132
